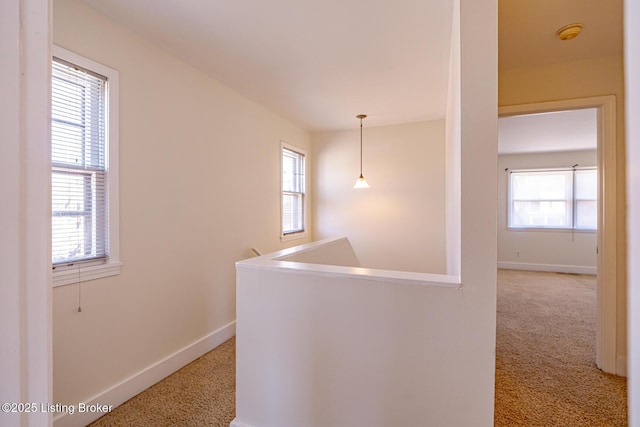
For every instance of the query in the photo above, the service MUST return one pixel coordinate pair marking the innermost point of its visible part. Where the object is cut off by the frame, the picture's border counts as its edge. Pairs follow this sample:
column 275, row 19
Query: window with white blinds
column 82, row 138
column 78, row 185
column 554, row 198
column 293, row 190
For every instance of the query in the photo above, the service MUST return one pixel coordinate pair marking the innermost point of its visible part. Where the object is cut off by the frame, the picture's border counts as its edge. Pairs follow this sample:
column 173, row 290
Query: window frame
column 571, row 201
column 82, row 271
column 292, row 235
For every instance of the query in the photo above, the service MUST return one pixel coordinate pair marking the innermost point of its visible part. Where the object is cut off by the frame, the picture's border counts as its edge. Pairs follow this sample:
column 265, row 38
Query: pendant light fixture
column 361, row 182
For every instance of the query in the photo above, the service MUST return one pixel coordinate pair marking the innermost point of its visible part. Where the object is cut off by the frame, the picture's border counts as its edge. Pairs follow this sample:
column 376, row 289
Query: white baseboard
column 555, row 268
column 144, row 379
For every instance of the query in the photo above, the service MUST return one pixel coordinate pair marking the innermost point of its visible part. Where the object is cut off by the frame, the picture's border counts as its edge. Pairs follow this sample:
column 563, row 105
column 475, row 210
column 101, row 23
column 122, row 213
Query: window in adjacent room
column 293, row 192
column 554, row 199
column 84, row 226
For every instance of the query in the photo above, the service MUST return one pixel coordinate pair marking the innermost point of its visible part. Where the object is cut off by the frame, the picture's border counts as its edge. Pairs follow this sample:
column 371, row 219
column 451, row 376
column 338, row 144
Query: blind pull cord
column 79, row 292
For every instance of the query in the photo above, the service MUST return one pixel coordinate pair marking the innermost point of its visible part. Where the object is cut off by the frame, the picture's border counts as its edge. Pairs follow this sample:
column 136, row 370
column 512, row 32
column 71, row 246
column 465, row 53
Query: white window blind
column 586, row 199
column 79, row 223
column 293, row 191
column 562, row 199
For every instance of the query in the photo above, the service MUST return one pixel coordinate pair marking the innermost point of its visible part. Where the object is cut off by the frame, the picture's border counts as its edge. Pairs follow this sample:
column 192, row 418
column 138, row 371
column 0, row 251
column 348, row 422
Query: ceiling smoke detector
column 569, row 32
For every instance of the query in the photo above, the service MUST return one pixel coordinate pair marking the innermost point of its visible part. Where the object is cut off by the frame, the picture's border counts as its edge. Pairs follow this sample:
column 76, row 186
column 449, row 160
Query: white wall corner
column 25, row 258
column 452, row 153
column 632, row 100
column 478, row 160
column 621, row 366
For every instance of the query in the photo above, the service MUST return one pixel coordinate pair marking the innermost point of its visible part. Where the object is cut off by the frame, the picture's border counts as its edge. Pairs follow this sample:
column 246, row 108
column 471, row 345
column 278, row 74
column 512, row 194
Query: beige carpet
column 545, row 370
column 545, row 355
column 200, row 394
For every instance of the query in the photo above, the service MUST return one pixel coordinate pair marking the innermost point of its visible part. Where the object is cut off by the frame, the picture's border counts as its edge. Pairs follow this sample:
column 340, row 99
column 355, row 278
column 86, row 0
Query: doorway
column 547, row 203
column 606, row 330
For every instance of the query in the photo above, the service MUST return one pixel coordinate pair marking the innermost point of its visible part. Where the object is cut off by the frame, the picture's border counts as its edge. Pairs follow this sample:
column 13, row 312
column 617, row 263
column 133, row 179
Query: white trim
column 294, row 236
column 278, row 261
column 11, row 333
column 554, row 268
column 25, row 294
column 112, row 267
column 607, row 328
column 128, row 388
column 72, row 275
column 236, row 423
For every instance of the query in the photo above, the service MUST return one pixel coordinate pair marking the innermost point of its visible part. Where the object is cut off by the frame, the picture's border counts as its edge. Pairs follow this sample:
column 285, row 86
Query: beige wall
column 199, row 186
column 398, row 223
column 557, row 250
column 580, row 79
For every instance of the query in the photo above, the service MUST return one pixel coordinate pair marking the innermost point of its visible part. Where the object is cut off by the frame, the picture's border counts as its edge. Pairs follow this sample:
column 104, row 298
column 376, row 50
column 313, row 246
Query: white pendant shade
column 361, row 183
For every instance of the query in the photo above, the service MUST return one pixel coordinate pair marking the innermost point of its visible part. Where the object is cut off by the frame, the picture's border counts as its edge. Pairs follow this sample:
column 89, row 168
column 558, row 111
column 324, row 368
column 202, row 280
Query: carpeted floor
column 545, row 355
column 545, row 370
column 203, row 393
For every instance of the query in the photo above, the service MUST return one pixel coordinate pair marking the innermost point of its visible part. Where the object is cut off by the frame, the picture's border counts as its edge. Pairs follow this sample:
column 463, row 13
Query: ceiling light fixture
column 361, row 182
column 569, row 32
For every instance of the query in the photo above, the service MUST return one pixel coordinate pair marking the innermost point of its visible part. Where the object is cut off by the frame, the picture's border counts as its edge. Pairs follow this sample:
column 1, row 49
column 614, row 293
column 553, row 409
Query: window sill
column 550, row 229
column 84, row 274
column 293, row 236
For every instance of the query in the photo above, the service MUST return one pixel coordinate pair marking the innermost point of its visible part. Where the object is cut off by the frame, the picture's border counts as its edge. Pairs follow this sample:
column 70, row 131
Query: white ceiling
column 317, row 63
column 548, row 132
column 320, row 63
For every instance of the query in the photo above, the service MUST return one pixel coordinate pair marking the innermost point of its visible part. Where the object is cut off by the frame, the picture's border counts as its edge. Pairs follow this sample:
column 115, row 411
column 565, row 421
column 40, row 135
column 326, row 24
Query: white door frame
column 606, row 329
column 25, row 220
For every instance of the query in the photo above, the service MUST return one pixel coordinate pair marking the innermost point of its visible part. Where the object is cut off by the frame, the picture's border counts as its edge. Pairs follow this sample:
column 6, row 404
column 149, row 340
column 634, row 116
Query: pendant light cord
column 361, row 116
column 361, row 182
column 360, row 147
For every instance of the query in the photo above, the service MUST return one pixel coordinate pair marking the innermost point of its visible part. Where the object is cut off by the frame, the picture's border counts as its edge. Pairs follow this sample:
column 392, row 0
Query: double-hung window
column 293, row 192
column 83, row 169
column 553, row 199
